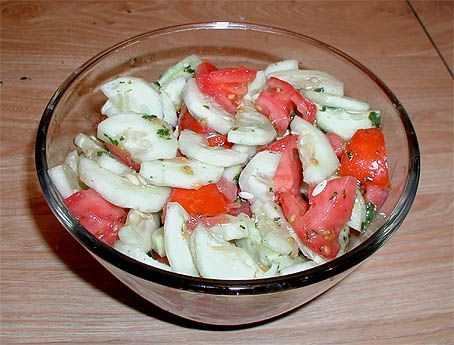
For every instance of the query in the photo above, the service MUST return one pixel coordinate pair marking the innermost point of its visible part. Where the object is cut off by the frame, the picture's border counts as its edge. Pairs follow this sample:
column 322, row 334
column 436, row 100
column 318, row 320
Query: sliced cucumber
column 176, row 240
column 284, row 65
column 90, row 146
column 218, row 259
column 109, row 109
column 317, row 156
column 236, row 228
column 257, row 85
column 329, row 100
column 301, row 266
column 342, row 122
column 158, row 243
column 130, row 94
column 310, row 80
column 358, row 216
column 139, row 255
column 180, row 172
column 257, row 176
column 233, row 173
column 121, row 191
column 144, row 139
column 183, row 68
column 195, row 146
column 169, row 112
column 175, row 90
column 251, row 128
column 205, row 108
column 138, row 229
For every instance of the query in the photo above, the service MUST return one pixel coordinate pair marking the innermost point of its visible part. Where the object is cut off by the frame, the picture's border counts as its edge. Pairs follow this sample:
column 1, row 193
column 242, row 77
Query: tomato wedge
column 365, row 158
column 328, row 213
column 280, row 100
column 289, row 174
column 293, row 205
column 227, row 86
column 205, row 201
column 96, row 214
column 376, row 195
column 123, row 156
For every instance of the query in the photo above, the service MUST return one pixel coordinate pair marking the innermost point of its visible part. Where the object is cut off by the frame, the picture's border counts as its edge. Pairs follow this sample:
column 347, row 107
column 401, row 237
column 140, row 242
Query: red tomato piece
column 219, row 140
column 293, row 205
column 278, row 109
column 289, row 174
column 376, row 195
column 187, row 121
column 328, row 213
column 337, row 143
column 305, row 107
column 205, row 201
column 206, row 221
column 96, row 214
column 227, row 86
column 243, row 206
column 123, row 156
column 365, row 158
column 162, row 259
column 228, row 188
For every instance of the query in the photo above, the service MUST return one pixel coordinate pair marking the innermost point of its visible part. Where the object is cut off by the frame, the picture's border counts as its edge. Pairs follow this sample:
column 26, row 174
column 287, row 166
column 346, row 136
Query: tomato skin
column 240, row 207
column 337, row 143
column 365, row 158
column 123, row 156
column 289, row 174
column 219, row 140
column 205, row 201
column 227, row 86
column 96, row 214
column 293, row 205
column 328, row 213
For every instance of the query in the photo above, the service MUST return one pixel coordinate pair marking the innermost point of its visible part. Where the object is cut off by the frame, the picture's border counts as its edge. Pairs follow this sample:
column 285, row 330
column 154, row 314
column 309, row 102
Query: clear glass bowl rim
column 228, row 287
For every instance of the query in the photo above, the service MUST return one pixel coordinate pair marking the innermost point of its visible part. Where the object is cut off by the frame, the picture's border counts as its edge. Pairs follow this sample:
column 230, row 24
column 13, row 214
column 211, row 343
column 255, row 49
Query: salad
column 228, row 173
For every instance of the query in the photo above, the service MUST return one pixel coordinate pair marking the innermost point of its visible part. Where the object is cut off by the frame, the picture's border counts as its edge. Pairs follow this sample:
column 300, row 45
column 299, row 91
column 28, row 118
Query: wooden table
column 53, row 291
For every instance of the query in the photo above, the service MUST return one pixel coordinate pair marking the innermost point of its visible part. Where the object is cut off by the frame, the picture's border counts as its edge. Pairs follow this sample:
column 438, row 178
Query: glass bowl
column 75, row 107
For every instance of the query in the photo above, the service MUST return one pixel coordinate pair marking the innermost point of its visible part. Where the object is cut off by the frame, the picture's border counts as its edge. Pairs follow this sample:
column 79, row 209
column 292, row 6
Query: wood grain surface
column 53, row 291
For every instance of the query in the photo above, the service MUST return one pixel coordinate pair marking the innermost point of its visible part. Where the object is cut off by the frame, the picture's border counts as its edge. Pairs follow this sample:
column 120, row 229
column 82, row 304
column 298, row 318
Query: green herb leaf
column 371, row 211
column 319, row 89
column 206, row 106
column 164, row 133
column 323, row 108
column 157, row 84
column 100, row 153
column 113, row 141
column 350, row 155
column 242, row 227
column 149, row 117
column 374, row 117
column 189, row 69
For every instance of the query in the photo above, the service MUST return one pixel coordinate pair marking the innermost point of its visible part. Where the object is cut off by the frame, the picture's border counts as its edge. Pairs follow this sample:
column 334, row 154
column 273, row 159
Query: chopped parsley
column 242, row 227
column 371, row 211
column 374, row 117
column 157, row 84
column 189, row 69
column 149, row 117
column 206, row 106
column 237, row 177
column 344, row 194
column 319, row 89
column 350, row 155
column 164, row 133
column 100, row 153
column 113, row 141
column 334, row 196
column 292, row 116
column 122, row 138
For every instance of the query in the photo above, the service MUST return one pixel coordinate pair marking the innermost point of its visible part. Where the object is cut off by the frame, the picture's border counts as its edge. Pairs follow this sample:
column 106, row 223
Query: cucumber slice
column 202, row 107
column 169, row 112
column 139, row 255
column 183, row 68
column 130, row 94
column 109, row 109
column 257, row 85
column 358, row 216
column 345, row 103
column 158, row 243
column 176, row 240
column 218, row 259
column 257, row 176
column 233, row 173
column 175, row 90
column 195, row 146
column 283, row 65
column 311, row 79
column 317, row 156
column 120, row 191
column 251, row 128
column 341, row 122
column 180, row 172
column 144, row 139
column 138, row 229
column 236, row 228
